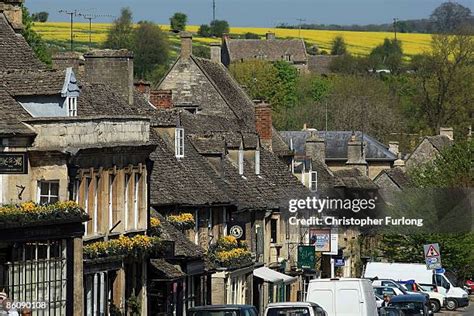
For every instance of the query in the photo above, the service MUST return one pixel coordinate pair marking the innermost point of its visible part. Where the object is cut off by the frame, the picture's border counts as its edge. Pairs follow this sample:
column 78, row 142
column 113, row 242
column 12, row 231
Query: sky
column 258, row 13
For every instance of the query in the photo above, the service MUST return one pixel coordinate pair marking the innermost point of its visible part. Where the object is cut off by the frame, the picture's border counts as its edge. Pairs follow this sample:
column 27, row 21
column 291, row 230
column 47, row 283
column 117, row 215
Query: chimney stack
column 263, row 123
column 315, row 147
column 161, row 99
column 12, row 11
column 144, row 87
column 356, row 155
column 447, row 131
column 63, row 60
column 186, row 44
column 270, row 36
column 113, row 68
column 393, row 147
column 399, row 162
column 215, row 52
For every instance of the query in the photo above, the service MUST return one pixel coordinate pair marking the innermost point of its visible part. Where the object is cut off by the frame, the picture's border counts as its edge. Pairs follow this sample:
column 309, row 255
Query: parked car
column 345, row 296
column 391, row 311
column 390, row 291
column 294, row 309
column 223, row 310
column 412, row 304
column 470, row 286
column 378, row 300
column 397, row 285
column 428, row 287
column 437, row 300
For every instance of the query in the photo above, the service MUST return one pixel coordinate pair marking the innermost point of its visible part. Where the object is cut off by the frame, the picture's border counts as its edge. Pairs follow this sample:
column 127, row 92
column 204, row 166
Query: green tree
column 449, row 16
column 338, row 46
column 219, row 28
column 121, row 33
column 202, row 51
column 40, row 16
column 287, row 77
column 34, row 39
column 178, row 22
column 151, row 49
column 388, row 55
column 444, row 93
column 250, row 35
column 204, row 30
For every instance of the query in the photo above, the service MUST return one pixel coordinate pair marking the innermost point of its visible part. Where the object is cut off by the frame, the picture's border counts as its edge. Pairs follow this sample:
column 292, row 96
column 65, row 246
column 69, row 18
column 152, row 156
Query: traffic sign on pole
column 432, row 256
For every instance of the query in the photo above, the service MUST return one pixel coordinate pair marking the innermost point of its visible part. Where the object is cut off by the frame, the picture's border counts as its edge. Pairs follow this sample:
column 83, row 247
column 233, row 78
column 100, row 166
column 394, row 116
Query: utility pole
column 213, row 10
column 91, row 17
column 299, row 31
column 395, row 21
column 72, row 14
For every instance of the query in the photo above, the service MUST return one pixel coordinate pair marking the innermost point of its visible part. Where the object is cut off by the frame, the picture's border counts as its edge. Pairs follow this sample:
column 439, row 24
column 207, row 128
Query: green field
column 57, row 34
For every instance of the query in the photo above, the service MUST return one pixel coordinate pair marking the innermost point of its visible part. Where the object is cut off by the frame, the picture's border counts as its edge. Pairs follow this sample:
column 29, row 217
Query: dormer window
column 313, row 181
column 179, row 142
column 71, row 106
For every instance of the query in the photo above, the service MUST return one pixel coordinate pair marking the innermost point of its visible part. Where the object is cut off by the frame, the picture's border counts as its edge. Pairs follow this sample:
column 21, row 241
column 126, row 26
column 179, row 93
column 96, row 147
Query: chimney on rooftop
column 356, row 155
column 161, row 99
column 315, row 147
column 215, row 52
column 399, row 162
column 270, row 36
column 186, row 44
column 63, row 60
column 113, row 68
column 447, row 131
column 12, row 11
column 144, row 87
column 393, row 147
column 263, row 123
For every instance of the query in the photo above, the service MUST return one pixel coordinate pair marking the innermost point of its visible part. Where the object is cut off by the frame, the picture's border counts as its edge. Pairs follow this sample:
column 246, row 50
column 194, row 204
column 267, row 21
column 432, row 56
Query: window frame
column 71, row 106
column 126, row 200
column 48, row 195
column 136, row 202
column 179, row 142
column 313, row 182
column 111, row 200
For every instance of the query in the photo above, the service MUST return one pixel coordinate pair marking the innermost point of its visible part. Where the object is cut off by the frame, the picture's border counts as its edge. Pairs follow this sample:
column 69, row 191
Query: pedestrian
column 386, row 300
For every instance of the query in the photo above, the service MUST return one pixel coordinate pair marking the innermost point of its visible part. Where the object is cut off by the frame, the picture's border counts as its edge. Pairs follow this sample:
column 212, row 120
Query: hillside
column 359, row 43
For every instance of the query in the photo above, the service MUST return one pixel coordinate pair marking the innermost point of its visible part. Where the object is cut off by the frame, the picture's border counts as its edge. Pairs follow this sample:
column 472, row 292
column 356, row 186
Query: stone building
column 269, row 49
column 68, row 139
column 430, row 147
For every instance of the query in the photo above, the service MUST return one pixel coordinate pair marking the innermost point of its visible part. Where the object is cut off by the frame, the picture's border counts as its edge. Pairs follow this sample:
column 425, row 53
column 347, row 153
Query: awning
column 273, row 276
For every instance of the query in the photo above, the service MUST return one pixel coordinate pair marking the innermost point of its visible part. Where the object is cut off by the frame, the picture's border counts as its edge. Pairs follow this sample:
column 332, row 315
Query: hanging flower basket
column 227, row 252
column 123, row 246
column 182, row 221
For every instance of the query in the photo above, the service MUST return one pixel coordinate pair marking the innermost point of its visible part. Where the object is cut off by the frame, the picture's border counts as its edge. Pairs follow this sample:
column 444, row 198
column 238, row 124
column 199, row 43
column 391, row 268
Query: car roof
column 292, row 304
column 408, row 298
column 214, row 307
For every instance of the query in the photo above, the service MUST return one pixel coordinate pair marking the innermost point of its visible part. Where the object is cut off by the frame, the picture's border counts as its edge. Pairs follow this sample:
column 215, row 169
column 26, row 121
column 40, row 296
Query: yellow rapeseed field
column 359, row 43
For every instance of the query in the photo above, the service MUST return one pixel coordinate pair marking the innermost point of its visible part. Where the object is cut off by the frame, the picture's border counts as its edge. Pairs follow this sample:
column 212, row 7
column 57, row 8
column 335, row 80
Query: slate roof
column 336, row 144
column 14, row 50
column 353, row 179
column 29, row 82
column 272, row 50
column 397, row 175
column 167, row 270
column 440, row 141
column 11, row 115
column 184, row 248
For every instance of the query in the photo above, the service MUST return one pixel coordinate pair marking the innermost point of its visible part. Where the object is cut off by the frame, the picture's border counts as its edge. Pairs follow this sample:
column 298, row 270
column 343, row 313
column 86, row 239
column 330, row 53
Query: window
column 179, row 142
column 95, row 218
column 98, row 287
column 136, row 201
column 273, row 230
column 257, row 162
column 86, row 201
column 48, row 192
column 302, row 175
column 72, row 106
column 241, row 159
column 126, row 202
column 75, row 190
column 313, row 181
column 111, row 200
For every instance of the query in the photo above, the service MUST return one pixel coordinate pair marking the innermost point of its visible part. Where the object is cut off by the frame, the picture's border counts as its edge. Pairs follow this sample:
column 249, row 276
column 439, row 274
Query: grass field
column 359, row 43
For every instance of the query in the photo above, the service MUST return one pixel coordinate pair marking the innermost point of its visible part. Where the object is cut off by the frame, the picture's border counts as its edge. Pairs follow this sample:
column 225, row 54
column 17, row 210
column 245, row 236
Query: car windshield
column 426, row 287
column 410, row 308
column 215, row 313
column 288, row 311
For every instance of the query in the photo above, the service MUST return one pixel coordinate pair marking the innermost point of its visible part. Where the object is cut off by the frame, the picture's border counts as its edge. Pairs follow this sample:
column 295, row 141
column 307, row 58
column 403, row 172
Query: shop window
column 98, row 293
column 48, row 191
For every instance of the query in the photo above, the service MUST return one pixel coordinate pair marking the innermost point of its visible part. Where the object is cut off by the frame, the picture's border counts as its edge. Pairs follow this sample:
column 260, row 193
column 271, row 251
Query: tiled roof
column 353, row 179
column 398, row 176
column 336, row 144
column 273, row 50
column 440, row 141
column 14, row 50
column 11, row 115
column 166, row 269
column 29, row 82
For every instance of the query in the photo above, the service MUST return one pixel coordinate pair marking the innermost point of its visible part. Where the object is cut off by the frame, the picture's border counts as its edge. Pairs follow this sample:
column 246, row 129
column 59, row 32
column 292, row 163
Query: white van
column 343, row 297
column 456, row 297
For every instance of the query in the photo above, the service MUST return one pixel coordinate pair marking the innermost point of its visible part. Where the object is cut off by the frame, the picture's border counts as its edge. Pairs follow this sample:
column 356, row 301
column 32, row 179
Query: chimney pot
column 186, row 44
column 263, row 124
column 215, row 52
column 394, row 147
column 161, row 99
column 447, row 131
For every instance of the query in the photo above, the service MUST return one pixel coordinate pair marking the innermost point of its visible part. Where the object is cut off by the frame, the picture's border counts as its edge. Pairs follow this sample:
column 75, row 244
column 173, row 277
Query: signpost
column 432, row 256
column 13, row 163
column 321, row 239
column 306, row 257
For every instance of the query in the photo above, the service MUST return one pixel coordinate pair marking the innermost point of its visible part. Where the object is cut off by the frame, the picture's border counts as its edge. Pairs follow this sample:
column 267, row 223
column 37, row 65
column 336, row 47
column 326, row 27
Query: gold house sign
column 13, row 163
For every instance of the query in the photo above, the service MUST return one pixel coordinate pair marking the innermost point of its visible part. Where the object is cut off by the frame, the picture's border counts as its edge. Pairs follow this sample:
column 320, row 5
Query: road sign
column 306, row 257
column 339, row 262
column 432, row 256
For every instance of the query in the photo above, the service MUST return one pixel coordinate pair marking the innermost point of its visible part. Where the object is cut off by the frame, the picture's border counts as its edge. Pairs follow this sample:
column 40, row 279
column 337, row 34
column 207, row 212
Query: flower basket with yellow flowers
column 228, row 252
column 30, row 213
column 123, row 246
column 155, row 227
column 182, row 221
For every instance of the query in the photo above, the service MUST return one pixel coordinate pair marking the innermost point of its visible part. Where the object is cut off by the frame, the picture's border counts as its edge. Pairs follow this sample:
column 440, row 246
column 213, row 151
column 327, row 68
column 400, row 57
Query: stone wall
column 80, row 133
